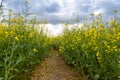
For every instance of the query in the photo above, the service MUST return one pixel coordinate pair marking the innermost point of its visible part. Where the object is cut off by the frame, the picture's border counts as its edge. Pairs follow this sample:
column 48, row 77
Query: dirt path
column 54, row 68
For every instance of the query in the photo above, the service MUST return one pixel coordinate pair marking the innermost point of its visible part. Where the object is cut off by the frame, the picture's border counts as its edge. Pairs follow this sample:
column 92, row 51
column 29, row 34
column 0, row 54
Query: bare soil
column 55, row 68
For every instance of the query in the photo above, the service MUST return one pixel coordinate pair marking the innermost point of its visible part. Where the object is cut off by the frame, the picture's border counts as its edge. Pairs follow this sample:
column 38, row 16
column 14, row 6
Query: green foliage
column 55, row 42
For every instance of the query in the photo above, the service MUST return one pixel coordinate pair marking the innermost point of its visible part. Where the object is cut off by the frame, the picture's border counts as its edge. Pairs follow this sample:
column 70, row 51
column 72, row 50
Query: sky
column 56, row 11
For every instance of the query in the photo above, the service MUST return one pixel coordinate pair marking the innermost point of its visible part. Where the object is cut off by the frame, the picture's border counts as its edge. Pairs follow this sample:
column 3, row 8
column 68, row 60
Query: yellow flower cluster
column 119, row 64
column 35, row 50
column 31, row 35
column 16, row 38
column 98, row 57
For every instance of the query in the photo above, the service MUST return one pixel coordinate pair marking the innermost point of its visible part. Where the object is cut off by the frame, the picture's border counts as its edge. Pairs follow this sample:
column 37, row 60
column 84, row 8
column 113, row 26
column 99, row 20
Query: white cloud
column 56, row 29
column 100, row 11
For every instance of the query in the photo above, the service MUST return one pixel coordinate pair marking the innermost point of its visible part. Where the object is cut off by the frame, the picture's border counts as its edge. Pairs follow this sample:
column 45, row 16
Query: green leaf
column 1, row 64
column 18, row 61
column 15, row 47
column 10, row 78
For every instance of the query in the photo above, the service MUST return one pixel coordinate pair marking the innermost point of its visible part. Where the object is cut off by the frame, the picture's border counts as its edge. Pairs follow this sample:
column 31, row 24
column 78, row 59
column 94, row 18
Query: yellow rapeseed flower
column 98, row 57
column 119, row 62
column 114, row 41
column 105, row 43
column 95, row 48
column 100, row 25
column 30, row 35
column 118, row 65
column 114, row 47
column 6, row 34
column 117, row 38
column 61, row 49
column 118, row 77
column 16, row 38
column 66, row 24
column 112, row 22
column 118, row 34
column 98, row 54
column 12, row 33
column 35, row 50
column 108, row 47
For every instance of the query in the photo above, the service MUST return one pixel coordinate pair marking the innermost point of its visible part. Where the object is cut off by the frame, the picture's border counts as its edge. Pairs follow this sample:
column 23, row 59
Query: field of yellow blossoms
column 94, row 50
column 21, row 47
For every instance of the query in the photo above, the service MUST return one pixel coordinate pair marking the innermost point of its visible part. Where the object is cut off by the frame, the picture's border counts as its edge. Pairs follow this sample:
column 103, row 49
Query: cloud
column 99, row 11
column 54, row 7
column 57, row 29
column 44, row 6
column 107, row 6
column 65, row 10
column 15, row 5
column 54, row 29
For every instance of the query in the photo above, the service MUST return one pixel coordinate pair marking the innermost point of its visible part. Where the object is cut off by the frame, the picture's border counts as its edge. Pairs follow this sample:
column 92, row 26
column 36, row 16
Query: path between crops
column 54, row 68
